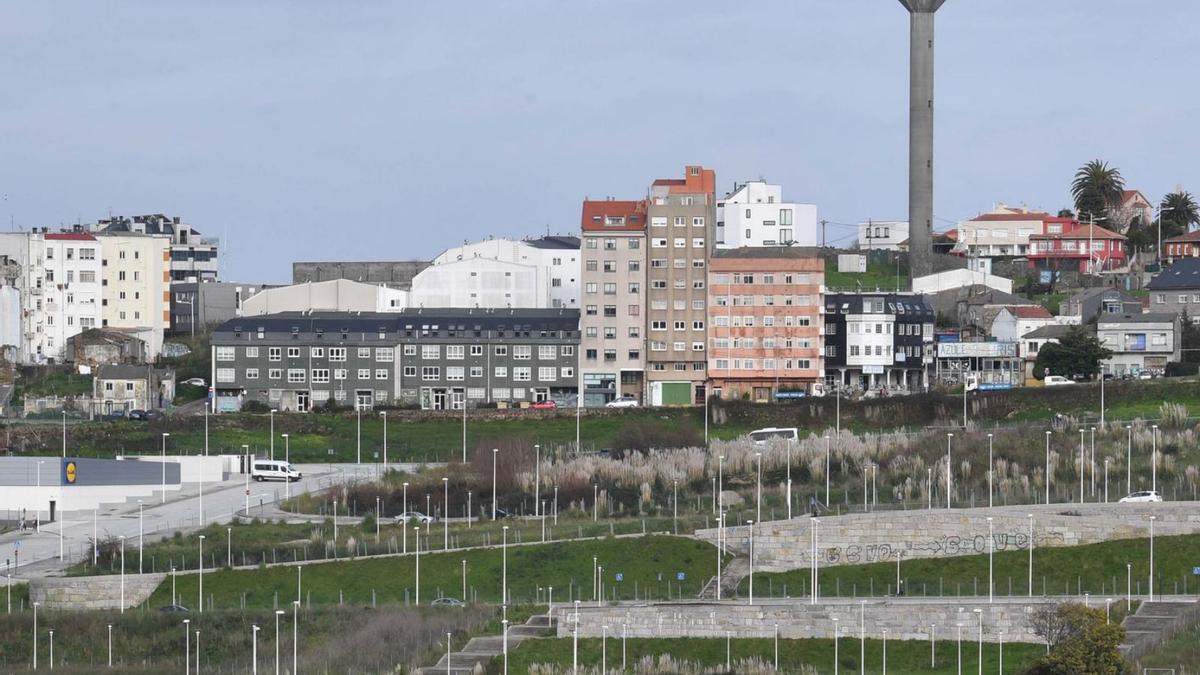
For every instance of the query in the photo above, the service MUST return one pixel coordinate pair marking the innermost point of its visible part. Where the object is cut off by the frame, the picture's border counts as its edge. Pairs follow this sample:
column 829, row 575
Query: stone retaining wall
column 878, row 537
column 797, row 619
column 98, row 592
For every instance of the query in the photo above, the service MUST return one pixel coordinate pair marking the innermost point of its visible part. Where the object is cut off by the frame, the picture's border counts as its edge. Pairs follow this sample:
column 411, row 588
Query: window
column 658, row 243
column 364, row 373
column 385, row 354
column 226, row 374
column 635, row 244
column 697, row 221
column 680, row 325
column 340, row 373
column 274, row 353
column 680, row 242
column 658, row 263
column 610, row 333
column 610, row 311
column 455, row 353
column 635, row 287
column 658, row 284
column 501, row 350
column 522, row 352
column 610, row 289
column 610, row 244
column 697, row 346
column 317, row 352
column 455, row 373
column 431, row 373
column 364, row 352
column 590, row 288
column 252, row 352
column 524, row 374
column 476, row 371
column 476, row 350
column 296, row 375
column 658, row 221
column 252, row 373
column 320, row 375
column 590, row 266
column 590, row 310
column 339, row 353
column 547, row 374
column 409, row 371
column 658, row 325
column 431, row 352
column 1160, row 298
column 500, row 371
column 226, row 353
column 547, row 352
column 293, row 352
column 635, row 265
column 275, row 374
column 698, row 242
column 698, row 284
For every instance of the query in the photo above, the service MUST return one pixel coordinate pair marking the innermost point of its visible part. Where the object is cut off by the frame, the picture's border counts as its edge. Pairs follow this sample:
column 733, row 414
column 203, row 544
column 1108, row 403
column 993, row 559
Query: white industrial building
column 960, row 278
column 538, row 273
column 336, row 295
column 754, row 214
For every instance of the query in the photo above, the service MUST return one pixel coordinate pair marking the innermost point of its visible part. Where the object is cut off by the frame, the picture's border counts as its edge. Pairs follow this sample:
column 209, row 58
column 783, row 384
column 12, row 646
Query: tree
column 1097, row 189
column 1076, row 353
column 1085, row 643
column 1066, row 213
column 1178, row 213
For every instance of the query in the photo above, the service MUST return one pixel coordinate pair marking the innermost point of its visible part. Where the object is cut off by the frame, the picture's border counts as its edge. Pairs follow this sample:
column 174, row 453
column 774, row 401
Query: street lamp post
column 827, row 468
column 991, row 468
column 64, row 434
column 187, row 646
column 1151, row 594
column 1081, row 466
column 358, row 431
column 991, row 553
column 1158, row 251
column 1128, row 586
column 200, row 576
column 836, row 633
column 1047, row 466
column 979, row 613
column 949, row 437
column 1030, row 555
column 758, row 489
column 271, row 416
column 1129, row 459
column 750, row 524
column 1154, row 458
column 445, row 514
column 287, row 459
column 35, row 633
column 495, row 458
column 417, row 565
column 537, row 478
column 254, row 648
column 383, row 414
column 165, row 435
column 141, row 570
column 278, row 613
column 122, row 537
column 110, row 645
column 815, row 560
column 295, row 637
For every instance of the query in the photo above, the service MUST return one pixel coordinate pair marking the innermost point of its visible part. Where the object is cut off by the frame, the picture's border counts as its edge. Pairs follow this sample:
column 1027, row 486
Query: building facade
column 1002, row 233
column 137, row 281
column 503, row 273
column 194, row 258
column 878, row 341
column 1090, row 303
column 612, row 363
column 396, row 274
column 883, row 235
column 1177, row 289
column 682, row 225
column 754, row 214
column 765, row 323
column 1068, row 245
column 197, row 306
column 1186, row 245
column 438, row 359
column 1139, row 342
column 335, row 295
column 117, row 389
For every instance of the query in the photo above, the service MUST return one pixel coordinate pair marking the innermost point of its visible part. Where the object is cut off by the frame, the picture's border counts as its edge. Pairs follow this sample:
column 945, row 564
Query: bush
column 257, row 407
column 641, row 436
column 1182, row 369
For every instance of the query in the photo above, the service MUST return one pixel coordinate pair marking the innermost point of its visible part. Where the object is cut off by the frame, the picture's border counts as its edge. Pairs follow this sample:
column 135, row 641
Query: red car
column 544, row 405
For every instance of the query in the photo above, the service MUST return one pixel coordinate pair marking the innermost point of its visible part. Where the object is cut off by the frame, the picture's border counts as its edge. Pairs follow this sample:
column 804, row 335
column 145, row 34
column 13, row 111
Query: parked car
column 626, row 401
column 139, row 415
column 414, row 517
column 1145, row 375
column 544, row 405
column 195, row 381
column 1056, row 381
column 1142, row 497
column 447, row 602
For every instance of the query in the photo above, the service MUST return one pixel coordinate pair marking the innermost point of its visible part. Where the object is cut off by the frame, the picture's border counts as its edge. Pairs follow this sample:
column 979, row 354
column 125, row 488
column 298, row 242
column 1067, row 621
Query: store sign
column 958, row 350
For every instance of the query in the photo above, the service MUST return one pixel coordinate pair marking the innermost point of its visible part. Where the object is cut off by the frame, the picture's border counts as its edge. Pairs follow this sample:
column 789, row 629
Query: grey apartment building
column 682, row 224
column 427, row 358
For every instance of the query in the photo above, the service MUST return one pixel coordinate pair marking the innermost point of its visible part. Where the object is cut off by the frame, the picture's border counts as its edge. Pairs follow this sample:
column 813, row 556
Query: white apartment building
column 193, row 256
column 503, row 273
column 58, row 290
column 754, row 214
column 882, row 235
column 137, row 281
column 1003, row 232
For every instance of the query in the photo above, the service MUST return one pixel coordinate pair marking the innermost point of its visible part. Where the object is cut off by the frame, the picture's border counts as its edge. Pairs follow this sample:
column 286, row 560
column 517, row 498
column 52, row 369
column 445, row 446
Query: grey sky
column 373, row 130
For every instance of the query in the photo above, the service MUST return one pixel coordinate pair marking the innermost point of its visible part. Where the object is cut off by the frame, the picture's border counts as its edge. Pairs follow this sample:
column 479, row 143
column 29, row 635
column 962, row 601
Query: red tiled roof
column 71, row 236
column 595, row 214
column 1194, row 235
column 1030, row 215
column 1129, row 195
column 1029, row 312
column 1082, row 232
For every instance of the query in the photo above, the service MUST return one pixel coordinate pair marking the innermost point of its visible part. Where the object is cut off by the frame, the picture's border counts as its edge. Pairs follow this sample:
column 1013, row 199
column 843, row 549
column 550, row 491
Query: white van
column 269, row 469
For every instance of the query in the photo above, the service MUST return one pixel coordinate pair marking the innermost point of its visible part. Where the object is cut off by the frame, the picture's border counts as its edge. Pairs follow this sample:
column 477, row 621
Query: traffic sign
column 679, row 576
column 1196, row 571
column 620, row 577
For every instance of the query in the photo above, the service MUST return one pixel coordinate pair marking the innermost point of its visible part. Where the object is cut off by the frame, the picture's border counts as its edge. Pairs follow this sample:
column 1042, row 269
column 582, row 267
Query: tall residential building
column 682, row 225
column 765, row 322
column 193, row 256
column 57, row 279
column 137, row 286
column 878, row 340
column 754, row 214
column 613, row 359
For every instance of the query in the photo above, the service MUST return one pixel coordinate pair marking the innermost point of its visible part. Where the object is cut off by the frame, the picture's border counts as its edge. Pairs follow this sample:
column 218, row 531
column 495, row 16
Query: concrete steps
column 1155, row 622
column 479, row 650
column 731, row 575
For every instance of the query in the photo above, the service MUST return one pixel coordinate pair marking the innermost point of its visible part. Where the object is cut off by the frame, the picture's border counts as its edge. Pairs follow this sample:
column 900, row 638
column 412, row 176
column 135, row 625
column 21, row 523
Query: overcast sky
column 390, row 130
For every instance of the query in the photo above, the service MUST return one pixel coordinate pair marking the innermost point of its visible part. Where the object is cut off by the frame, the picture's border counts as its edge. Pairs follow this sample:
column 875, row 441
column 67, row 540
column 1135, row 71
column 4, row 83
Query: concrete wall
column 864, row 538
column 98, row 592
column 798, row 620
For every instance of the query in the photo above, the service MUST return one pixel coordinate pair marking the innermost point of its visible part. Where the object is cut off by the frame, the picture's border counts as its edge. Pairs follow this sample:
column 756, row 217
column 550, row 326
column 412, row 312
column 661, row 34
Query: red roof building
column 612, row 215
column 1068, row 244
column 1184, row 246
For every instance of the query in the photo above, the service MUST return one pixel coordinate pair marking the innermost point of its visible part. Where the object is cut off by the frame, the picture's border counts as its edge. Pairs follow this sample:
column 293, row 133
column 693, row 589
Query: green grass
column 904, row 657
column 565, row 566
column 51, row 383
column 1180, row 652
column 1092, row 568
column 878, row 275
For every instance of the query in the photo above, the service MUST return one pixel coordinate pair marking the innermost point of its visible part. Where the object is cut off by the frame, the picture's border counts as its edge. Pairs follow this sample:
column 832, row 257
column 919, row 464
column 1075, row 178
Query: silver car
column 413, row 517
column 1144, row 496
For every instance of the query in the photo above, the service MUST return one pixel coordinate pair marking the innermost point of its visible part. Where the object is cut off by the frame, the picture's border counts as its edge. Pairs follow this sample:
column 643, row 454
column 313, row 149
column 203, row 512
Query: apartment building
column 437, row 359
column 57, row 283
column 765, row 322
column 137, row 285
column 1139, row 342
column 613, row 322
column 193, row 256
column 883, row 235
column 754, row 214
column 682, row 224
column 1003, row 232
column 878, row 340
column 1177, row 289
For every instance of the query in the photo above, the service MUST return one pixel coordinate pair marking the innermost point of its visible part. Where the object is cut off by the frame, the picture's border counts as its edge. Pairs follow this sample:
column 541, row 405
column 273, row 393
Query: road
column 36, row 553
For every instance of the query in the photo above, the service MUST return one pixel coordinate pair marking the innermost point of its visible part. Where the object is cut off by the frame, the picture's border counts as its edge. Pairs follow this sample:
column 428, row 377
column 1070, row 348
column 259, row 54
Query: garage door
column 677, row 393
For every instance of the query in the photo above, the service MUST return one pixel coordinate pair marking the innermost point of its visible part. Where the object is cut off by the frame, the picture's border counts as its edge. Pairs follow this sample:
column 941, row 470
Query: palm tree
column 1178, row 213
column 1097, row 188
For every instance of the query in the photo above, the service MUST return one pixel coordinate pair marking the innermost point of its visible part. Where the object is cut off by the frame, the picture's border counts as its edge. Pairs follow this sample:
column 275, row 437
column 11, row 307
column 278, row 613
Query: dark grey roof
column 898, row 304
column 555, row 241
column 1153, row 317
column 1184, row 274
column 1054, row 330
column 122, row 372
column 409, row 319
column 768, row 252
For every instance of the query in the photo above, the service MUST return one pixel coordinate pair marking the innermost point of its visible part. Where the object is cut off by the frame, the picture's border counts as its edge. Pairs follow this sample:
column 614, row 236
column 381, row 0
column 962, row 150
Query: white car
column 626, row 401
column 413, row 517
column 195, row 381
column 1141, row 497
column 1057, row 381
